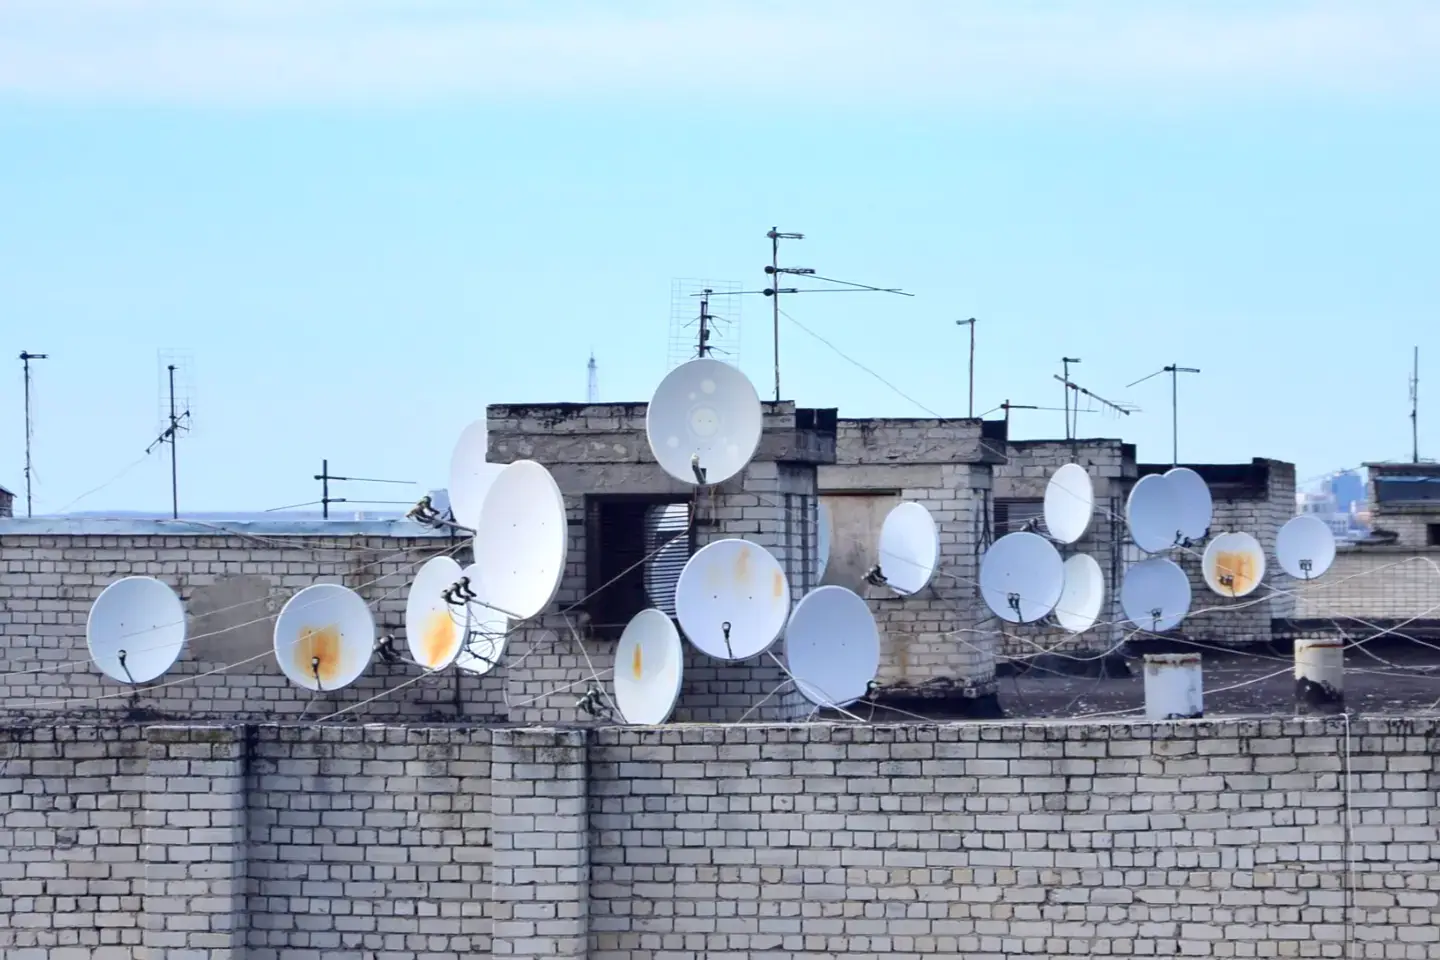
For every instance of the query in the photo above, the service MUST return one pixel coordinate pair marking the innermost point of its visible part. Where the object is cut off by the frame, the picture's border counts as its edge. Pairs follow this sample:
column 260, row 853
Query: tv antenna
column 1069, row 430
column 1174, row 370
column 325, row 476
column 1074, row 405
column 708, row 334
column 1414, row 410
column 175, row 421
column 774, row 272
column 25, row 357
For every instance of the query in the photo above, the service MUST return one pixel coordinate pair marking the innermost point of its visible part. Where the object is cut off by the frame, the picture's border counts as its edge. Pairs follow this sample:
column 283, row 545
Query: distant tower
column 592, row 388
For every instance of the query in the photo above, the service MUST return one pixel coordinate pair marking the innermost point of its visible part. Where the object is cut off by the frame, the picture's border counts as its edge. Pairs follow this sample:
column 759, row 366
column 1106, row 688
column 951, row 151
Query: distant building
column 1340, row 501
column 7, row 503
column 1405, row 503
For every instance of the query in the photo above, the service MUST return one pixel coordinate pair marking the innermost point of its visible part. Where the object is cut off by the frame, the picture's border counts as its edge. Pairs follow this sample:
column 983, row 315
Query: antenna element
column 1174, row 370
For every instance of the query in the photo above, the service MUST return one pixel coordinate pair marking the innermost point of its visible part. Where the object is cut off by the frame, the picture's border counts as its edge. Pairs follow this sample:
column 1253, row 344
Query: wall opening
column 635, row 547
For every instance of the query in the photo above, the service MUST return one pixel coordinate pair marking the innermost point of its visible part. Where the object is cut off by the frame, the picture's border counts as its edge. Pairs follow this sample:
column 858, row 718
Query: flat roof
column 212, row 527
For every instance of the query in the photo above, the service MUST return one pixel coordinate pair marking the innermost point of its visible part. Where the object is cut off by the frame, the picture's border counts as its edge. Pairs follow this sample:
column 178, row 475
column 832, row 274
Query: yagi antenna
column 1072, row 386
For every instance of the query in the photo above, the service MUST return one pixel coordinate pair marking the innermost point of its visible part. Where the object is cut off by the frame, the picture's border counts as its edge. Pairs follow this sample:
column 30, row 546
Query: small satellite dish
column 1233, row 565
column 832, row 646
column 1069, row 503
column 486, row 631
column 909, row 548
column 522, row 541
column 649, row 664
column 1021, row 577
column 1153, row 515
column 732, row 600
column 1193, row 504
column 704, row 422
column 824, row 532
column 662, row 573
column 471, row 475
column 1083, row 595
column 324, row 637
column 1305, row 547
column 135, row 630
column 1155, row 594
column 431, row 629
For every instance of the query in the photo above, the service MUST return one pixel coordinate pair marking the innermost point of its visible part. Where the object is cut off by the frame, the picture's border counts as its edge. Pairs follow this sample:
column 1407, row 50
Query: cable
column 851, row 360
column 113, row 480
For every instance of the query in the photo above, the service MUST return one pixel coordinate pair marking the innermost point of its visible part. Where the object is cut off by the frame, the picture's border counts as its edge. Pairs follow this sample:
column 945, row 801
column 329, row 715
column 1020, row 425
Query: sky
column 358, row 222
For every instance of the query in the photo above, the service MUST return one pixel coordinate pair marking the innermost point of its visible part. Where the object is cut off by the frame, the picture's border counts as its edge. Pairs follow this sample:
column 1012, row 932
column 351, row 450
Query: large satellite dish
column 431, row 629
column 324, row 637
column 135, row 630
column 486, row 631
column 732, row 600
column 824, row 532
column 1153, row 514
column 649, row 664
column 1194, row 507
column 1233, row 564
column 1305, row 547
column 471, row 475
column 832, row 647
column 1021, row 577
column 1084, row 594
column 522, row 540
column 1155, row 594
column 704, row 422
column 1069, row 503
column 909, row 548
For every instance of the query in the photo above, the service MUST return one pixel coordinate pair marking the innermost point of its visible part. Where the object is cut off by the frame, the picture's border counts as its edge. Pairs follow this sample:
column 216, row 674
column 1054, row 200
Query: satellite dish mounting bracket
column 1012, row 600
column 874, row 577
column 385, row 647
column 120, row 655
column 698, row 470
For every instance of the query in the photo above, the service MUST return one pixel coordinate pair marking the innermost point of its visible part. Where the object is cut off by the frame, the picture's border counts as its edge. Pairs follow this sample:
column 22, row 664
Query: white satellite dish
column 471, row 475
column 824, row 533
column 1155, row 594
column 1021, row 577
column 1153, row 515
column 1084, row 594
column 1193, row 504
column 1305, row 547
column 909, row 548
column 1069, row 503
column 732, row 600
column 705, row 415
column 431, row 629
column 832, row 647
column 522, row 541
column 135, row 630
column 486, row 631
column 649, row 664
column 324, row 637
column 1233, row 564
column 661, row 573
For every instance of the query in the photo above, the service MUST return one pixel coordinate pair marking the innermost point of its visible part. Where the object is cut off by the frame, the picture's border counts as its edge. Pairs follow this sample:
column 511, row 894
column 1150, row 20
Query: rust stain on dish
column 777, row 585
column 635, row 662
column 1239, row 566
column 742, row 566
column 322, row 644
column 439, row 639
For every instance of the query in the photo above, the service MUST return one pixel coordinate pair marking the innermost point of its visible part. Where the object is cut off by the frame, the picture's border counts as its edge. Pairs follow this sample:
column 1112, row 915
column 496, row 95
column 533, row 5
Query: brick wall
column 1375, row 583
column 1226, row 838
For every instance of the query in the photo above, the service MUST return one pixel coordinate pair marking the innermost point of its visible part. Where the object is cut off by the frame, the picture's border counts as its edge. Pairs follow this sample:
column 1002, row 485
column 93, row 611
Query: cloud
column 784, row 54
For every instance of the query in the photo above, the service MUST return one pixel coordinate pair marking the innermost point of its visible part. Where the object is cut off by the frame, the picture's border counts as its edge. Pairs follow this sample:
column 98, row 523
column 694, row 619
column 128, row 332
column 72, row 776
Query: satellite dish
column 432, row 631
column 1083, row 595
column 1193, row 504
column 732, row 600
column 909, row 548
column 135, row 630
column 824, row 532
column 1153, row 515
column 1233, row 565
column 471, row 475
column 522, row 540
column 649, row 664
column 705, row 416
column 1021, row 577
column 1069, row 503
column 661, row 574
column 1305, row 547
column 832, row 647
column 487, row 631
column 324, row 637
column 1155, row 594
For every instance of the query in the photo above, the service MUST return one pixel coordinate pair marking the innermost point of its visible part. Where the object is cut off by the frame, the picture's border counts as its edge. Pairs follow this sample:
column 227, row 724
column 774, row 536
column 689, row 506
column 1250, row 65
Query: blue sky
column 367, row 220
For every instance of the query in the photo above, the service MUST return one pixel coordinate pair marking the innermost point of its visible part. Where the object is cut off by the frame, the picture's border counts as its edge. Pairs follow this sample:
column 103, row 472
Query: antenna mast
column 169, row 435
column 592, row 385
column 1174, row 370
column 25, row 358
column 1415, row 410
column 971, row 324
column 1065, row 380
